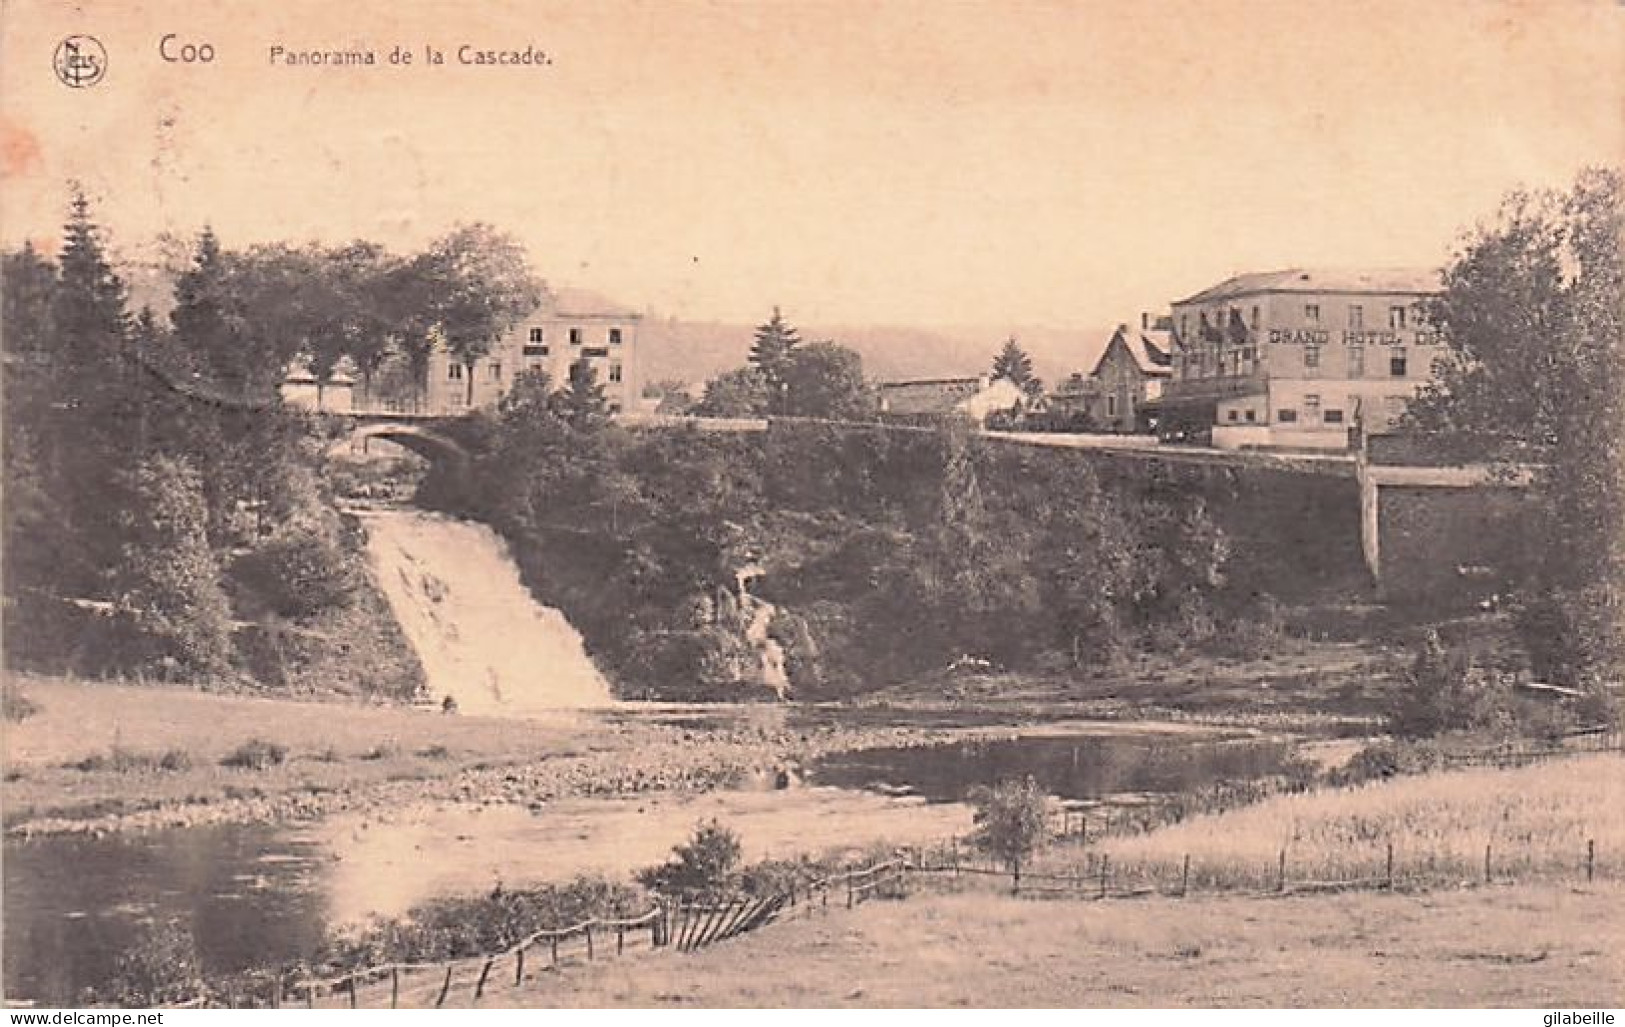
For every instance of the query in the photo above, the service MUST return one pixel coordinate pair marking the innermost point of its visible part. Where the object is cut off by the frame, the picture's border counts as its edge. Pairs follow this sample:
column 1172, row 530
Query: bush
column 160, row 967
column 17, row 707
column 256, row 754
column 1444, row 692
column 704, row 865
column 1011, row 821
column 300, row 571
column 121, row 760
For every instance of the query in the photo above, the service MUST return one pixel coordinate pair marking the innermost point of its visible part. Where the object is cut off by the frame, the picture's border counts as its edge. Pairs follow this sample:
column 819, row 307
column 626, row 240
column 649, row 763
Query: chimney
column 1145, row 320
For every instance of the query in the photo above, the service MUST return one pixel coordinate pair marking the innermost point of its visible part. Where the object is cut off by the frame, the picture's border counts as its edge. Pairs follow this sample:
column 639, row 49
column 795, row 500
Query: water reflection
column 1069, row 767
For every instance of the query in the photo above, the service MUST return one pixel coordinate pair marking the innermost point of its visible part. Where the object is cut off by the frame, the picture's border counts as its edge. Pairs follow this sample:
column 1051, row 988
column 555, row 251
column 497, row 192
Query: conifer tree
column 775, row 342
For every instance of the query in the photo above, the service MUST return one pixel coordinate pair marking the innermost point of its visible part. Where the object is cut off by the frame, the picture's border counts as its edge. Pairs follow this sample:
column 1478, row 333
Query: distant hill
column 694, row 351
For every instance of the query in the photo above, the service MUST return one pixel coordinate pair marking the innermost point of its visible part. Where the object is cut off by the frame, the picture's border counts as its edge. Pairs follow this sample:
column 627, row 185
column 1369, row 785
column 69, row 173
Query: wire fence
column 685, row 925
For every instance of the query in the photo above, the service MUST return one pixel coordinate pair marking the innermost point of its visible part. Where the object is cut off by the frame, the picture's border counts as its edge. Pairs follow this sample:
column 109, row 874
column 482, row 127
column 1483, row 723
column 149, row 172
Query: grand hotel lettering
column 1351, row 337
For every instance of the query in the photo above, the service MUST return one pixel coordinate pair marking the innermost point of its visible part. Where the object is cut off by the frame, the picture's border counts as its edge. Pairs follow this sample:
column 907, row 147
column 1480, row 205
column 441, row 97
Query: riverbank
column 97, row 757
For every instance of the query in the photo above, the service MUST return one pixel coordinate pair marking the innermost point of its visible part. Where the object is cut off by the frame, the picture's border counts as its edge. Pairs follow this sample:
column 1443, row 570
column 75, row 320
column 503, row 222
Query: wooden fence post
column 1105, row 864
column 1083, row 828
column 620, row 938
column 1389, row 871
column 485, row 971
column 1486, row 863
column 589, row 943
column 519, row 966
column 1280, row 873
column 954, row 845
column 1185, row 877
column 310, row 996
column 1591, row 858
column 394, row 987
column 440, row 1000
column 350, row 981
column 848, row 891
column 555, row 940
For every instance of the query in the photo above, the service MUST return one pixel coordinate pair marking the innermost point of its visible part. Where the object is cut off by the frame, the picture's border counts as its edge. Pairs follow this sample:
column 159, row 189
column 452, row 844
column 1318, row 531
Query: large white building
column 1295, row 358
column 573, row 326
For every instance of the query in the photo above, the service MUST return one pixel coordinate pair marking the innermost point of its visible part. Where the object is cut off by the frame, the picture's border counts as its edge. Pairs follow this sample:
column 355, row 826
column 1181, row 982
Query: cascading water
column 481, row 637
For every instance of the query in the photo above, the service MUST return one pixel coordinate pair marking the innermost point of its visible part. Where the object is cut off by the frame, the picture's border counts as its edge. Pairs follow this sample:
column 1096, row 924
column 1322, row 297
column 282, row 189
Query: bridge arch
column 433, row 445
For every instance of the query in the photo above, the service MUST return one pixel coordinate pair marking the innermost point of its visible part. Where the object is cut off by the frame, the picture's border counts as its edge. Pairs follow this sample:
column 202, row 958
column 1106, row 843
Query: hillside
column 693, row 351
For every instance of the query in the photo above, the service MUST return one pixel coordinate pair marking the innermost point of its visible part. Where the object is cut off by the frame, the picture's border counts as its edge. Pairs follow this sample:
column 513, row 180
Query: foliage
column 706, row 864
column 1013, row 364
column 15, row 706
column 168, row 581
column 824, row 380
column 1444, row 692
column 1534, row 374
column 159, row 967
column 581, row 402
column 776, row 341
column 1011, row 821
column 256, row 754
column 742, row 392
column 469, row 926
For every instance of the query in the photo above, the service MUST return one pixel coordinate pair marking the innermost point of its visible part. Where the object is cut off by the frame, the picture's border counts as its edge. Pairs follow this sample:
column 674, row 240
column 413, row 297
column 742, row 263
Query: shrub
column 1011, row 821
column 160, row 967
column 256, row 754
column 704, row 865
column 1444, row 692
column 122, row 760
column 17, row 707
column 386, row 749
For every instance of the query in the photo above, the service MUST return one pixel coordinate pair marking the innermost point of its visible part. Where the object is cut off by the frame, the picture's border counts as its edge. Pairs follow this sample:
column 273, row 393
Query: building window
column 1311, row 406
column 1311, row 313
column 1396, row 362
column 1232, row 415
column 614, row 336
column 535, row 335
column 1184, row 325
column 1252, row 416
column 1356, row 361
column 1255, row 317
column 1311, row 355
column 1396, row 317
column 496, row 371
column 454, row 372
column 575, row 336
column 1356, row 316
column 1111, row 406
column 1334, row 417
column 1286, row 415
column 615, row 372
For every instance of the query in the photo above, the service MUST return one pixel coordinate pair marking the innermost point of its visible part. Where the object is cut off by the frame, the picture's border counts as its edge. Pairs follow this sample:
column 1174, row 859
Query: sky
column 910, row 163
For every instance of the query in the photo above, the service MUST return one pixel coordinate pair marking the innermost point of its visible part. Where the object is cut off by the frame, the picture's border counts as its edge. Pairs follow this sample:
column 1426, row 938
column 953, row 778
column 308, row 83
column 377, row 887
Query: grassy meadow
column 1537, row 821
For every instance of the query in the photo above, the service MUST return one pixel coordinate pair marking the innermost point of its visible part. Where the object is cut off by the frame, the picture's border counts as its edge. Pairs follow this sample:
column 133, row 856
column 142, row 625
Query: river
column 257, row 894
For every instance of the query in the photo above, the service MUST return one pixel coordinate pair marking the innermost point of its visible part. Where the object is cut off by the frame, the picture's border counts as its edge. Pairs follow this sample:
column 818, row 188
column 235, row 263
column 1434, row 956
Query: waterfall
column 481, row 637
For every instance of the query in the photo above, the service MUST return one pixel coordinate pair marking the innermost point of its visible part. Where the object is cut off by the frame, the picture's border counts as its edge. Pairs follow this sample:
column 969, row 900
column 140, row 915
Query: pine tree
column 581, row 402
column 83, row 432
column 168, row 582
column 770, row 353
column 1016, row 366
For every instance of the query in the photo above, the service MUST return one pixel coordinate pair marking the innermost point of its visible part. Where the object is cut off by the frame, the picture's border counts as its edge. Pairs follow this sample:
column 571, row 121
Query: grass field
column 121, row 734
column 1538, row 946
column 1537, row 820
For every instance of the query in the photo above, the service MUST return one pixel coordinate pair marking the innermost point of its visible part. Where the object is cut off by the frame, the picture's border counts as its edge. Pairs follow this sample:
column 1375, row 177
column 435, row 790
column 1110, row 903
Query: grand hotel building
column 1295, row 358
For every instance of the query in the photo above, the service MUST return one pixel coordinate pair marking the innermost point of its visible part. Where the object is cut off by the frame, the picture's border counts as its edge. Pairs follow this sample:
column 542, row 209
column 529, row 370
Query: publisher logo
column 80, row 61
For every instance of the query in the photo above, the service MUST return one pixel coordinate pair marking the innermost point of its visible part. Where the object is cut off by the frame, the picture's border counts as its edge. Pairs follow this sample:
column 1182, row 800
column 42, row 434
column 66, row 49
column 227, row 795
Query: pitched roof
column 1296, row 279
column 1148, row 347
